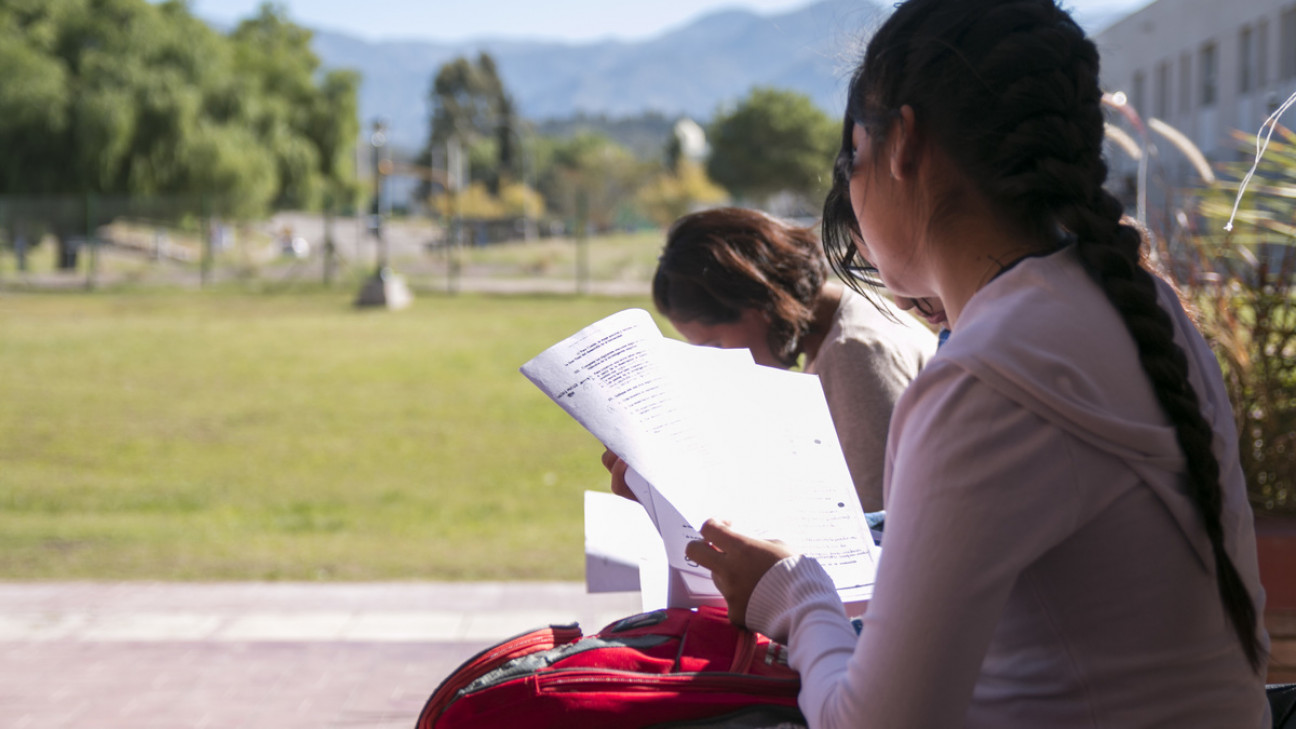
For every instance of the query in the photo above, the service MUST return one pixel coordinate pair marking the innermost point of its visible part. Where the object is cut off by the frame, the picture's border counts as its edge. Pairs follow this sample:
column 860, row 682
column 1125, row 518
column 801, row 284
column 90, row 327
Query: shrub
column 1242, row 285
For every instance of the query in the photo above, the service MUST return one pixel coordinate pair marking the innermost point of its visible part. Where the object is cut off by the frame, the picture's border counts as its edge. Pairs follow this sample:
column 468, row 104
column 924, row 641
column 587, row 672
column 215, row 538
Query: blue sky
column 569, row 20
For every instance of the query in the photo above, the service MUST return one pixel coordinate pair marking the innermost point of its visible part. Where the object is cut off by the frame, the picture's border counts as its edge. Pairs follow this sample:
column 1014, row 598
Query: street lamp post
column 1120, row 103
column 456, row 178
column 378, row 144
column 384, row 288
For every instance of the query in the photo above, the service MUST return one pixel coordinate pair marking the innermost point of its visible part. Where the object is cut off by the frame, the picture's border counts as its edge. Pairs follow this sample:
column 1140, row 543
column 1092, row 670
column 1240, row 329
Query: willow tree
column 127, row 98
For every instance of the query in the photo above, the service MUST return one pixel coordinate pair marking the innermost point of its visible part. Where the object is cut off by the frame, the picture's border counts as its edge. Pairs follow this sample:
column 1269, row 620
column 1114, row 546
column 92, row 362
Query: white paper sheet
column 619, row 538
column 708, row 433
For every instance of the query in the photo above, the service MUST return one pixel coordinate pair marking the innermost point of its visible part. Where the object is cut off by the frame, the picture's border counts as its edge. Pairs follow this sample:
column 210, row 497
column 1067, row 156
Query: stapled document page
column 708, row 433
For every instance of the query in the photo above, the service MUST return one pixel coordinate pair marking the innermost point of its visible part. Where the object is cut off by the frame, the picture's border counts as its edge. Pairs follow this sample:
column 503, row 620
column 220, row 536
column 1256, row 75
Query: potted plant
column 1241, row 284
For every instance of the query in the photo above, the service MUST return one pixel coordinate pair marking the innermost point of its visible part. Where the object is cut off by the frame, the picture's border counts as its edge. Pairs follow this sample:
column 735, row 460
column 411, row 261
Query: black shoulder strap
column 1282, row 702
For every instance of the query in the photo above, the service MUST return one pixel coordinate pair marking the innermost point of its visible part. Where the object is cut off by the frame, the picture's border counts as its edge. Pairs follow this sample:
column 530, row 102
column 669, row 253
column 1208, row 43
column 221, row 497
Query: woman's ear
column 904, row 144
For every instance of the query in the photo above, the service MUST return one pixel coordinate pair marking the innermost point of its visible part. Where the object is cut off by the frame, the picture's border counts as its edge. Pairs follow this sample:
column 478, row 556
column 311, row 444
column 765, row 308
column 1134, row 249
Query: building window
column 1262, row 53
column 1287, row 45
column 1246, row 60
column 1209, row 74
column 1185, row 83
column 1162, row 91
column 1136, row 93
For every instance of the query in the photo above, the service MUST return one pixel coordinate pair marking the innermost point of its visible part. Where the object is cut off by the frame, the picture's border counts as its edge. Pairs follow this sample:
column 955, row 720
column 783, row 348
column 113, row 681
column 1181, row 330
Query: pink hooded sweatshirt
column 1042, row 565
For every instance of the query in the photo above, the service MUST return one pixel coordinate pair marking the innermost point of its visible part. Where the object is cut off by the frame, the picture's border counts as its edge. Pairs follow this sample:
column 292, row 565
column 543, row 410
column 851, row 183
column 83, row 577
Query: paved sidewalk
column 252, row 655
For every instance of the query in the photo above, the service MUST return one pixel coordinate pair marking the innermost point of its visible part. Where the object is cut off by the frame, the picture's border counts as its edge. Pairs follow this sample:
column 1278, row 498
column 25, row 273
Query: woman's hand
column 617, row 467
column 737, row 562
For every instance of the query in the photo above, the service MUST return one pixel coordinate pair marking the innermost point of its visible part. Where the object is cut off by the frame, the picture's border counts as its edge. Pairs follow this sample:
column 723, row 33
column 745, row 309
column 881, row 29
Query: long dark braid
column 1009, row 89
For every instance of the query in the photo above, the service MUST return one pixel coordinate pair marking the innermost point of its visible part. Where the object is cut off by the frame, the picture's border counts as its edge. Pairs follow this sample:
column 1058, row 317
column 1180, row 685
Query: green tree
column 470, row 104
column 36, row 106
column 123, row 97
column 508, row 138
column 588, row 179
column 332, row 125
column 273, row 60
column 773, row 141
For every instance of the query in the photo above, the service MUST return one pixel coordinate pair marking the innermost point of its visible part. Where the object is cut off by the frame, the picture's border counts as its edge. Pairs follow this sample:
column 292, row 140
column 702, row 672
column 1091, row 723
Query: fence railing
column 96, row 241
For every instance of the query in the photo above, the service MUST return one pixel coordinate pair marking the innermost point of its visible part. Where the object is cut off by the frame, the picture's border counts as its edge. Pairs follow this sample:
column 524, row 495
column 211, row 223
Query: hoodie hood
column 1086, row 378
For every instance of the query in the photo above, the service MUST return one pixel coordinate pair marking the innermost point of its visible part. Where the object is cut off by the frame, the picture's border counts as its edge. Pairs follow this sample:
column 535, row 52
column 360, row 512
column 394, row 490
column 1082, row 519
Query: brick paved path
column 261, row 655
column 146, row 655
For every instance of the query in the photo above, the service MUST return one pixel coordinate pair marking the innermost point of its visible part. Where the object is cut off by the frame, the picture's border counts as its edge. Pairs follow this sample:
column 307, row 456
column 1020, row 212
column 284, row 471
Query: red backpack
column 675, row 668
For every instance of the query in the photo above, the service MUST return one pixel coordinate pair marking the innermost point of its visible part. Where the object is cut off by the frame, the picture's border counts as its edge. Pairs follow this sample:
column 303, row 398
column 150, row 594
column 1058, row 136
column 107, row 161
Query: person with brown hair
column 1068, row 539
column 738, row 278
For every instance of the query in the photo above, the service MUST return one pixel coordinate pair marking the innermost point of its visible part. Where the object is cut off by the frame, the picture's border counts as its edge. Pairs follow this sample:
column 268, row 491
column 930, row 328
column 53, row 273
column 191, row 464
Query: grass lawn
column 183, row 435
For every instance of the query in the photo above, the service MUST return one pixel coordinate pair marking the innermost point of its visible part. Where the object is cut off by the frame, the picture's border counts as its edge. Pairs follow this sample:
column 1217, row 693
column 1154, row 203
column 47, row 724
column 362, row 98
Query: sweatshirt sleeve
column 979, row 489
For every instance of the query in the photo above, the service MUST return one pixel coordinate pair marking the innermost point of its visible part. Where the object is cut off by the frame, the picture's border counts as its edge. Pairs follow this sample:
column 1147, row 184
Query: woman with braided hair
column 1068, row 539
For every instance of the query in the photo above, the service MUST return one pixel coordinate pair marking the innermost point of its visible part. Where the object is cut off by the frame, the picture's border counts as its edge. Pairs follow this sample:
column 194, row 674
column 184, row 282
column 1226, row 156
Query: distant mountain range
column 693, row 70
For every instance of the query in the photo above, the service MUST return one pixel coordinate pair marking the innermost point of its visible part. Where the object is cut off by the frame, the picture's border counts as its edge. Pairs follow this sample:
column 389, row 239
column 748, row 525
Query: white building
column 1205, row 67
column 692, row 139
